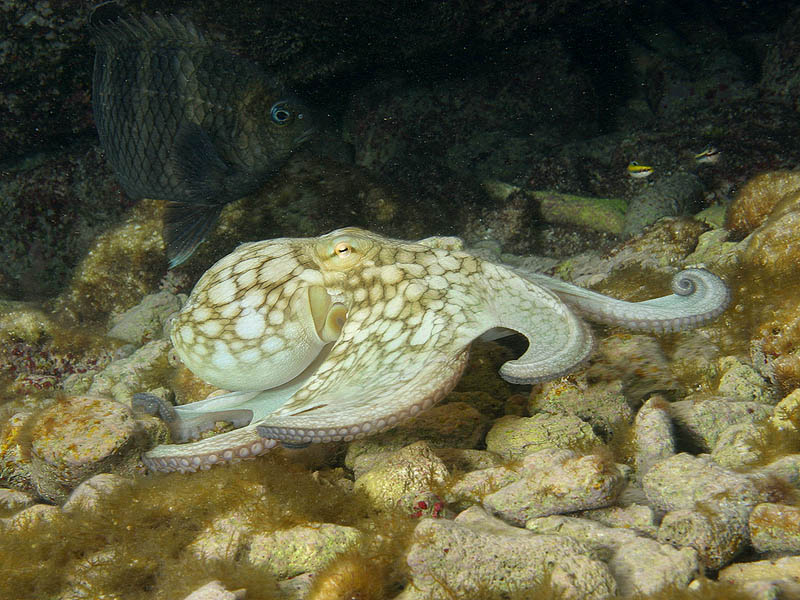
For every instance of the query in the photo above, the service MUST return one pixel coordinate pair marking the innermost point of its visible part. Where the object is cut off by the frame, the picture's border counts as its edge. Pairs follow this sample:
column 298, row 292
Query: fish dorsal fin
column 111, row 25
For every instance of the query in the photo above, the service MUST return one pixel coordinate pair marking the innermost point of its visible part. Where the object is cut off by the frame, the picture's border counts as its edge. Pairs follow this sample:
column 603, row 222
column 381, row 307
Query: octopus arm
column 367, row 397
column 233, row 446
column 699, row 297
column 558, row 340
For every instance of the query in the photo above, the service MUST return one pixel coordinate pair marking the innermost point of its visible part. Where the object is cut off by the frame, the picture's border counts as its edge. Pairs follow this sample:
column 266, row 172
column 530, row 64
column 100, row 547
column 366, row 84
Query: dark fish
column 181, row 119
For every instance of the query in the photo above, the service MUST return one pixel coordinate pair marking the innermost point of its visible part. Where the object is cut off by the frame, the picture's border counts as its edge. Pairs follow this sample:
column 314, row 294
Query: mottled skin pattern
column 349, row 334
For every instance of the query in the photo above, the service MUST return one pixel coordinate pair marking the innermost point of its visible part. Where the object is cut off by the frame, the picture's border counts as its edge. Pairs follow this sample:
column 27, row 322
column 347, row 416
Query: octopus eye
column 342, row 249
column 280, row 114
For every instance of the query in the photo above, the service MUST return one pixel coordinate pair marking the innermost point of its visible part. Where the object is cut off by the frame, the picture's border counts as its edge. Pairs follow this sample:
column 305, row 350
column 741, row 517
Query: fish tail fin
column 185, row 226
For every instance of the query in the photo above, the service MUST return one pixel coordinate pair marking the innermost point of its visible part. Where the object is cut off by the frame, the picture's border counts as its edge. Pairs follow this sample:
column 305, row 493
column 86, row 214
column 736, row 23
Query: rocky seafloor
column 667, row 467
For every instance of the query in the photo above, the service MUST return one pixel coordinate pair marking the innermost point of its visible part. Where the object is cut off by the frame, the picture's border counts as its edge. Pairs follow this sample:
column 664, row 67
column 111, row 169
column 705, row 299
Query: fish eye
column 342, row 249
column 280, row 114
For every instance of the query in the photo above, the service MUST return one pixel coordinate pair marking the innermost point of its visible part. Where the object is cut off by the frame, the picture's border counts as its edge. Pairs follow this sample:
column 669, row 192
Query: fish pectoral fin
column 185, row 226
column 199, row 166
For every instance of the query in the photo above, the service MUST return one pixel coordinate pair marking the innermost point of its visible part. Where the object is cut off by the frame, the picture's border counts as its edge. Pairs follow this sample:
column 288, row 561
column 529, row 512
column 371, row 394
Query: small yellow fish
column 708, row 156
column 638, row 171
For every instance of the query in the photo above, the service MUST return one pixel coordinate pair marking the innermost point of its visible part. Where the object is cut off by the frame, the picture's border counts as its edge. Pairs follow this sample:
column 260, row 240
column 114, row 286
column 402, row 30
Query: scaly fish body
column 709, row 156
column 181, row 119
column 638, row 171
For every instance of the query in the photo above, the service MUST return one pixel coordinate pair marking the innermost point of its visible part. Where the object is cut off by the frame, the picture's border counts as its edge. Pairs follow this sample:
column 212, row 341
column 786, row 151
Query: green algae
column 134, row 543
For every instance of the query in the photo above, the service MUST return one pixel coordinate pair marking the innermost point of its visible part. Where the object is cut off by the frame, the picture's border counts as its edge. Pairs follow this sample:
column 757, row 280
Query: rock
column 15, row 462
column 704, row 420
column 301, row 549
column 15, row 500
column 775, row 528
column 296, row 588
column 556, row 482
column 785, row 470
column 452, row 425
column 223, row 539
column 472, row 487
column 722, row 256
column 756, row 199
column 770, row 250
column 740, row 446
column 652, row 435
column 715, row 538
column 145, row 321
column 684, row 481
column 602, row 404
column 600, row 214
column 513, row 437
column 214, row 590
column 30, row 516
column 786, row 414
column 640, row 565
column 669, row 196
column 742, row 382
column 85, row 496
column 785, row 572
column 122, row 265
column 78, row 437
column 465, row 460
column 144, row 369
column 637, row 361
column 401, row 475
column 462, row 556
column 708, row 506
column 638, row 518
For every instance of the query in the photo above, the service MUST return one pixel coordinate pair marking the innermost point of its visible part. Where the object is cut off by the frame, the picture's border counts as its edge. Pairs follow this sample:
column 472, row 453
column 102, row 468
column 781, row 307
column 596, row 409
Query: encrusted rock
column 758, row 197
column 704, row 420
column 775, row 528
column 771, row 248
column 708, row 505
column 786, row 414
column 652, row 435
column 78, row 437
column 214, row 590
column 86, row 495
column 15, row 500
column 669, row 196
column 462, row 555
column 301, row 549
column 15, row 463
column 30, row 516
column 144, row 369
column 636, row 360
column 401, row 475
column 634, row 517
column 785, row 572
column 145, row 321
column 465, row 459
column 555, row 482
column 514, row 437
column 740, row 446
column 223, row 539
column 601, row 404
column 640, row 565
column 742, row 382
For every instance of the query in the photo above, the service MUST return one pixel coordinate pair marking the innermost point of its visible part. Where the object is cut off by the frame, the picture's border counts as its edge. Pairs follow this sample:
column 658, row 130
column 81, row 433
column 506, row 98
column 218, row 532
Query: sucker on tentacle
column 345, row 335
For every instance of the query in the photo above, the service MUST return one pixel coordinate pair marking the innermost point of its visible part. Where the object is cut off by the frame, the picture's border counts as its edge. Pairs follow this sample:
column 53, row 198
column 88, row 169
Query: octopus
column 349, row 334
